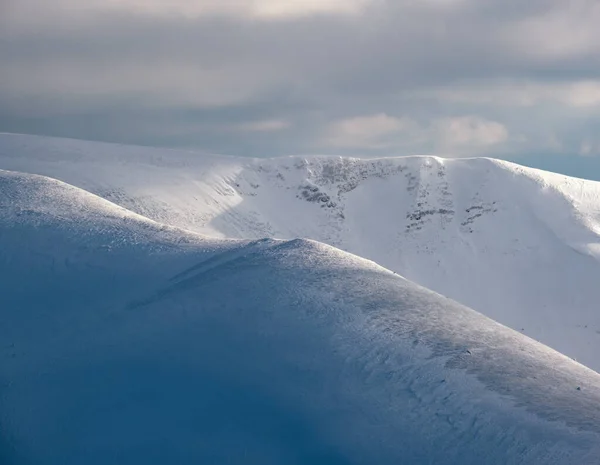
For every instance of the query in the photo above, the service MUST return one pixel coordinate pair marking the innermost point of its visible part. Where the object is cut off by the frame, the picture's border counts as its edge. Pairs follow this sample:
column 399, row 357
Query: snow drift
column 517, row 244
column 128, row 341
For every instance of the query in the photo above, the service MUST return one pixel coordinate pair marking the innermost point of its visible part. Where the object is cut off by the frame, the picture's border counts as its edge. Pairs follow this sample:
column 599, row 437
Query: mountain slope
column 125, row 341
column 519, row 245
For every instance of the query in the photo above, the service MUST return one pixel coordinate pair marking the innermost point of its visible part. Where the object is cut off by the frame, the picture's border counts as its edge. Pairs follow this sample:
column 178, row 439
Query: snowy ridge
column 517, row 244
column 268, row 351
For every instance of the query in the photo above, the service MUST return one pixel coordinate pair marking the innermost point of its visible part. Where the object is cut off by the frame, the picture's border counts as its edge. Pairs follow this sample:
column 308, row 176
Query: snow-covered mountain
column 520, row 245
column 128, row 341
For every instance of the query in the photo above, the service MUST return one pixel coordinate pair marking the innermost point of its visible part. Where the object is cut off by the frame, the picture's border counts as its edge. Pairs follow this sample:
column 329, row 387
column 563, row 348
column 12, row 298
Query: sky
column 512, row 79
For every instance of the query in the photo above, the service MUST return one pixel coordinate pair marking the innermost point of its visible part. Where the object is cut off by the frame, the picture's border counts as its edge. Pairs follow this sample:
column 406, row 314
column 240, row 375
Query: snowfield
column 519, row 245
column 128, row 337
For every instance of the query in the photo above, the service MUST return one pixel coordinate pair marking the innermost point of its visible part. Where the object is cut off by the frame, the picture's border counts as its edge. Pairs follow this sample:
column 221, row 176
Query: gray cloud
column 497, row 77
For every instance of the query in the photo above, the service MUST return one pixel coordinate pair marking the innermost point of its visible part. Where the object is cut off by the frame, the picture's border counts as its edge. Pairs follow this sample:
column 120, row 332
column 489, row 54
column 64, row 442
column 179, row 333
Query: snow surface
column 127, row 341
column 520, row 245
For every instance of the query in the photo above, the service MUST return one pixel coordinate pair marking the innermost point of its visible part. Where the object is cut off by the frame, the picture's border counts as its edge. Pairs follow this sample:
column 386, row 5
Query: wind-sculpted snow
column 517, row 244
column 125, row 341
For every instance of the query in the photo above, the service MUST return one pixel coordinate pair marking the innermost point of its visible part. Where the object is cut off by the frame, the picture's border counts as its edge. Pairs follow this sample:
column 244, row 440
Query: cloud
column 563, row 31
column 582, row 94
column 191, row 9
column 152, row 85
column 518, row 93
column 460, row 135
column 268, row 125
column 377, row 76
column 590, row 148
column 468, row 132
column 370, row 131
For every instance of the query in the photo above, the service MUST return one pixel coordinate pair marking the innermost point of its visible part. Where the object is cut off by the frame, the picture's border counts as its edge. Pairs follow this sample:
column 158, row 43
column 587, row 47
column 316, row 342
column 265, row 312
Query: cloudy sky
column 516, row 79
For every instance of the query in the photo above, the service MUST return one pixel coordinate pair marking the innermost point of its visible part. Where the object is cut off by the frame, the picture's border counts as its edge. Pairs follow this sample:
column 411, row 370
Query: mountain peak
column 520, row 245
column 146, row 343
